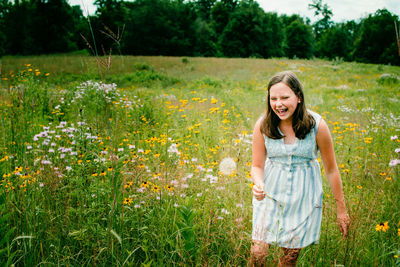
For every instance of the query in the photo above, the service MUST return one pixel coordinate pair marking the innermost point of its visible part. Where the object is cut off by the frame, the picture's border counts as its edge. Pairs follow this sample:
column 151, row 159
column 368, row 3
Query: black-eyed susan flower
column 155, row 188
column 94, row 174
column 127, row 201
column 128, row 184
column 170, row 188
column 109, row 169
column 145, row 185
column 103, row 173
column 382, row 227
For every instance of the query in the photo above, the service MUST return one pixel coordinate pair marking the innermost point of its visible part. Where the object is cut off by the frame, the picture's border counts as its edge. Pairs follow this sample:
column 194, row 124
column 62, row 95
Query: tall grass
column 96, row 173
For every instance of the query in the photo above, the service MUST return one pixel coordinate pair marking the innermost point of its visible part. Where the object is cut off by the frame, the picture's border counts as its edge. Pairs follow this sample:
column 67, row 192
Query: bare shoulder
column 257, row 126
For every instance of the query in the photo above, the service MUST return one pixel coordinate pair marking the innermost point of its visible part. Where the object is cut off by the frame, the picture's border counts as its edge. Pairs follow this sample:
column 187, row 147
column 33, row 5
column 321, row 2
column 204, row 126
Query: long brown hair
column 302, row 122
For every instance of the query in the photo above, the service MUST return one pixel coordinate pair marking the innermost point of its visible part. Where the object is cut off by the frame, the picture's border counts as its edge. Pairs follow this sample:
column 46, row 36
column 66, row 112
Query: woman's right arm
column 259, row 156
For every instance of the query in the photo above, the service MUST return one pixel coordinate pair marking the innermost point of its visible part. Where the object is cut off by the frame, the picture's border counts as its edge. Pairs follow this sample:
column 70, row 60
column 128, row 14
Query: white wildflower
column 227, row 166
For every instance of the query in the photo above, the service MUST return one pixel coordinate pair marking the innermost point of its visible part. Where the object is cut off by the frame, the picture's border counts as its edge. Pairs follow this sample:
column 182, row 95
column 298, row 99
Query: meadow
column 120, row 161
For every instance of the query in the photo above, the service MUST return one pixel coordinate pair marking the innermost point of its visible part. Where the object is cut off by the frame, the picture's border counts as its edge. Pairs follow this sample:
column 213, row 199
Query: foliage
column 159, row 27
column 299, row 40
column 336, row 42
column 210, row 28
column 377, row 39
column 37, row 27
column 251, row 33
column 325, row 22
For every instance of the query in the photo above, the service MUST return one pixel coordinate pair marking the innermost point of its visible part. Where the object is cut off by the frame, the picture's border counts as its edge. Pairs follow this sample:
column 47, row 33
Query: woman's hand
column 258, row 192
column 343, row 221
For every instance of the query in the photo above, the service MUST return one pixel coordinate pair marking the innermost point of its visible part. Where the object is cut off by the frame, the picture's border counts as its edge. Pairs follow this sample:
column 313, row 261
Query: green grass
column 128, row 174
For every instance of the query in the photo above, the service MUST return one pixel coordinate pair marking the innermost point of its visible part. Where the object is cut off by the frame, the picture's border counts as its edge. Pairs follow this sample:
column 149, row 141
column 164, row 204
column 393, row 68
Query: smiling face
column 283, row 101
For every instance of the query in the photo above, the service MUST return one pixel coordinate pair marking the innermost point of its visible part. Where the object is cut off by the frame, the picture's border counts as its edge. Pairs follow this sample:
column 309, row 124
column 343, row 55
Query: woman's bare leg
column 258, row 253
column 289, row 258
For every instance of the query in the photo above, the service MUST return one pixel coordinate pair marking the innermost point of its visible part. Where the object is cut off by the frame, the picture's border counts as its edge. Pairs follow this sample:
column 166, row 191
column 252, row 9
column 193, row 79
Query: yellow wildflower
column 382, row 227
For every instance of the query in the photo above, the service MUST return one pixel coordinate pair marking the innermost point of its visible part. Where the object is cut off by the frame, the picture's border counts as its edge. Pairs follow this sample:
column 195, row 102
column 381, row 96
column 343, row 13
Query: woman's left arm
column 325, row 145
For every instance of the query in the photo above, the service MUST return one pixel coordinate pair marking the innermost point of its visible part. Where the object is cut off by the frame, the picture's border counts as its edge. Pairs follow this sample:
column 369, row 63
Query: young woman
column 287, row 192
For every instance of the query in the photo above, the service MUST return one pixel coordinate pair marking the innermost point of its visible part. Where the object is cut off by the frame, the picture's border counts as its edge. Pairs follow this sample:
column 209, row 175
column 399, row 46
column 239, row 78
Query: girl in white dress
column 287, row 192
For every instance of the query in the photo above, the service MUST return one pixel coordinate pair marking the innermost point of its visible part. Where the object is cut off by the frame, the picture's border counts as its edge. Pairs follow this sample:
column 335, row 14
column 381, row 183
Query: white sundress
column 290, row 215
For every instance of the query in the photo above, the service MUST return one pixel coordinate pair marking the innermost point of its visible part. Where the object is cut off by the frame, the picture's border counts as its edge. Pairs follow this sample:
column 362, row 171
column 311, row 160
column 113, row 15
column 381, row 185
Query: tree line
column 210, row 28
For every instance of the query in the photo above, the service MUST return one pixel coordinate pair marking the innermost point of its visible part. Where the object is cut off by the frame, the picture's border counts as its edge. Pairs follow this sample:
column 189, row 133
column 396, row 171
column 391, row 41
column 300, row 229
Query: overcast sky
column 343, row 10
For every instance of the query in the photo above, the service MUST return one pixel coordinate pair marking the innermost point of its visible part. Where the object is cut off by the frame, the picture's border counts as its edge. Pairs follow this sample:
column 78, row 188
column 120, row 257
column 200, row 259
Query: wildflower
column 140, row 190
column 394, row 162
column 173, row 149
column 94, row 174
column 382, row 227
column 145, row 185
column 398, row 232
column 169, row 188
column 397, row 150
column 227, row 166
column 239, row 220
column 225, row 211
column 18, row 169
column 393, row 137
column 109, row 169
column 359, row 186
column 127, row 201
column 103, row 173
column 137, row 206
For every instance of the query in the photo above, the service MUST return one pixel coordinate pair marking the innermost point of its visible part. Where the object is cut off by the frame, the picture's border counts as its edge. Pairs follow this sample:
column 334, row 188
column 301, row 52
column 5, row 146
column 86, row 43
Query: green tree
column 81, row 28
column 338, row 41
column 323, row 23
column 52, row 27
column 377, row 39
column 205, row 39
column 38, row 27
column 18, row 28
column 5, row 6
column 108, row 25
column 203, row 8
column 160, row 27
column 250, row 32
column 299, row 40
column 220, row 14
